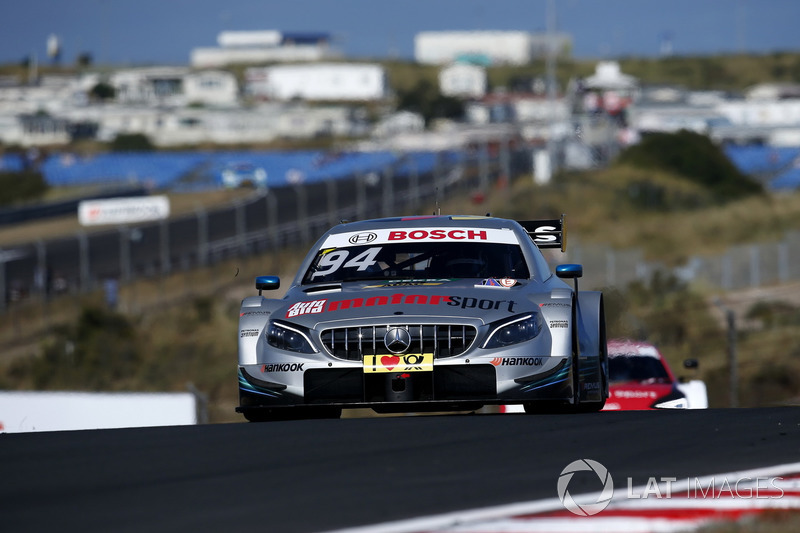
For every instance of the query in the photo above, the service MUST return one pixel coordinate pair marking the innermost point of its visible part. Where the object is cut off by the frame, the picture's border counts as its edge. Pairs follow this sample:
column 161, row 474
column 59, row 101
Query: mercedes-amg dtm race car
column 428, row 313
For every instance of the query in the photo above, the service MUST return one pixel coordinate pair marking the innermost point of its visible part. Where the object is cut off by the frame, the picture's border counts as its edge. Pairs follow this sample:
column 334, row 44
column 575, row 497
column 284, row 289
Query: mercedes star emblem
column 397, row 340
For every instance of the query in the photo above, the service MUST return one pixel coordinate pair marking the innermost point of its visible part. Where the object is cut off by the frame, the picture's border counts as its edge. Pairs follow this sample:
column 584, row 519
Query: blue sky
column 165, row 31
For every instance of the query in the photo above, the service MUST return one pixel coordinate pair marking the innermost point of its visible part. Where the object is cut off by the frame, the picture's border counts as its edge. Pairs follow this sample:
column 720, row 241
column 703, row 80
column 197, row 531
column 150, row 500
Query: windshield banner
column 401, row 235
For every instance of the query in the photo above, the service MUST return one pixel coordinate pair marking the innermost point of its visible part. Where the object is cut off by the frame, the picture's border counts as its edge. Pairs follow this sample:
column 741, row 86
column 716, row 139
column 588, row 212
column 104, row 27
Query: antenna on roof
column 438, row 207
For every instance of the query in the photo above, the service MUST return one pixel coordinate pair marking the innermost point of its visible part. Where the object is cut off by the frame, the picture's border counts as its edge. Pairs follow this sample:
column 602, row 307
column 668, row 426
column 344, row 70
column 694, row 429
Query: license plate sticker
column 407, row 362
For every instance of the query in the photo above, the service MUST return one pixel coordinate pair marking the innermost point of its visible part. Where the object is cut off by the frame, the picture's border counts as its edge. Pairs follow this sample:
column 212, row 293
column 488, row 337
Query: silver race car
column 430, row 313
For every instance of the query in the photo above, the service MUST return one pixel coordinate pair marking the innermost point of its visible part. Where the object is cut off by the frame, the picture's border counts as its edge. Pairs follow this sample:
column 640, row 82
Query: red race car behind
column 640, row 378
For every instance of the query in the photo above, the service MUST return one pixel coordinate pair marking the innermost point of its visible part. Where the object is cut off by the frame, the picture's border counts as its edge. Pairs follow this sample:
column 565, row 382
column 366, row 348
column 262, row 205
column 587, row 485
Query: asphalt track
column 319, row 475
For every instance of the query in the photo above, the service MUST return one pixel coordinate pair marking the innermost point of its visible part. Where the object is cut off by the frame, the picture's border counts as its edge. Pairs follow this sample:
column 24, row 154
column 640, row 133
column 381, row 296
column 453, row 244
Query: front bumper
column 451, row 384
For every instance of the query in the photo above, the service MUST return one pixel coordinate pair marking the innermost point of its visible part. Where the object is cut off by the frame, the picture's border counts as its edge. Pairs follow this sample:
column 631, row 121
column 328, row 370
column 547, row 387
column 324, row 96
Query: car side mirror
column 569, row 271
column 690, row 364
column 267, row 283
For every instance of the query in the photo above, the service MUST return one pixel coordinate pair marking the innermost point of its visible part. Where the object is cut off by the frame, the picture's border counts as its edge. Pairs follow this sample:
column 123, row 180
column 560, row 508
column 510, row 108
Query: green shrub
column 132, row 142
column 101, row 351
column 774, row 313
column 693, row 157
column 19, row 187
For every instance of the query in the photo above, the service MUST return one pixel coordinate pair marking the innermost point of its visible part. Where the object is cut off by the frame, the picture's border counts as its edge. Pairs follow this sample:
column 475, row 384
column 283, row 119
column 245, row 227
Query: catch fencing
column 266, row 221
column 745, row 266
column 296, row 215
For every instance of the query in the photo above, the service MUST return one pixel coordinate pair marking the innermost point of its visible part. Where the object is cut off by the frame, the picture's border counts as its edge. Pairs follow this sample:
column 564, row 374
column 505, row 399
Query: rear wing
column 547, row 233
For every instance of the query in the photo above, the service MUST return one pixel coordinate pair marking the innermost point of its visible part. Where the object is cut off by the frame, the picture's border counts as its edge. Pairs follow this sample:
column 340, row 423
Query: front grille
column 352, row 344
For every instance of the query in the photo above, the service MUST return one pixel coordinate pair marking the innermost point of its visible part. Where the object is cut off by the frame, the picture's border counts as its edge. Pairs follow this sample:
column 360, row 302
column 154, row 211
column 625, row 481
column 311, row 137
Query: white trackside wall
column 27, row 411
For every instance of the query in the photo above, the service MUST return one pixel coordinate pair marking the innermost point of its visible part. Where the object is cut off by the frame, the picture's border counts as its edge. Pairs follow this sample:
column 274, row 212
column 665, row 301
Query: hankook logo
column 363, row 238
column 397, row 340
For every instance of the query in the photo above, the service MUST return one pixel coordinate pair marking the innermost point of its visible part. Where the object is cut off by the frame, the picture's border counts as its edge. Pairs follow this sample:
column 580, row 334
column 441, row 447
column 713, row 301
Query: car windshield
column 644, row 369
column 418, row 260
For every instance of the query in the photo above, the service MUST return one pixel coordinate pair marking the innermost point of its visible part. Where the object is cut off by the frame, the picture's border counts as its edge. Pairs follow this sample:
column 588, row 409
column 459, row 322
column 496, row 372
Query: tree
column 102, row 91
column 426, row 100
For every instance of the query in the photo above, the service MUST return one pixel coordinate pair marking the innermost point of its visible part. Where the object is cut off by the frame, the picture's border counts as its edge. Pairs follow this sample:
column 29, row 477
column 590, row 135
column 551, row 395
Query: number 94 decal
column 332, row 260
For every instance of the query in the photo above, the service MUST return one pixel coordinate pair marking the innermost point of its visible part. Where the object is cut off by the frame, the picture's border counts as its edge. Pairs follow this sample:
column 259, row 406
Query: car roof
column 622, row 347
column 426, row 221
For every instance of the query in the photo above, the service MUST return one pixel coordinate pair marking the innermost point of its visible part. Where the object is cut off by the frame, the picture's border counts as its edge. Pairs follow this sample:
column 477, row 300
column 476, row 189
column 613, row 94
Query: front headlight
column 291, row 338
column 507, row 332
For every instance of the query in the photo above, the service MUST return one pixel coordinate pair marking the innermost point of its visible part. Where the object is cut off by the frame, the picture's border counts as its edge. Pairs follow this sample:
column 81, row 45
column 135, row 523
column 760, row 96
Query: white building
column 762, row 112
column 268, row 46
column 174, row 86
column 150, row 86
column 51, row 94
column 399, row 123
column 488, row 47
column 303, row 122
column 318, row 81
column 463, row 81
column 773, row 91
column 211, row 87
column 186, row 126
column 33, row 130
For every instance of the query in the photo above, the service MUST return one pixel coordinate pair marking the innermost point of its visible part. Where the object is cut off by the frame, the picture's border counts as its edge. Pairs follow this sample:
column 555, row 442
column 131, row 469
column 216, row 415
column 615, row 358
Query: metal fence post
column 783, row 261
column 483, row 165
column 755, row 266
column 333, row 207
column 611, row 268
column 125, row 253
column 437, row 179
column 3, row 289
column 727, row 272
column 361, row 196
column 272, row 220
column 302, row 213
column 414, row 186
column 166, row 267
column 505, row 162
column 83, row 246
column 732, row 358
column 241, row 227
column 387, row 203
column 202, row 236
column 40, row 276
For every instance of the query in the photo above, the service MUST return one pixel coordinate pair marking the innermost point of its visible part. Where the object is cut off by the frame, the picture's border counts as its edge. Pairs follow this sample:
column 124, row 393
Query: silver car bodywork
column 420, row 314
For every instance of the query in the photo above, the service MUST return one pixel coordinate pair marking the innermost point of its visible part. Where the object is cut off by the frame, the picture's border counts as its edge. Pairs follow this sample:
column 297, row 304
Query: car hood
column 405, row 300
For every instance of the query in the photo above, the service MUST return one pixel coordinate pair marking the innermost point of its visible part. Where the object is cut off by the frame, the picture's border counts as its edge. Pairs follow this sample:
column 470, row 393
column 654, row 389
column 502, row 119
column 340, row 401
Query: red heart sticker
column 390, row 361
